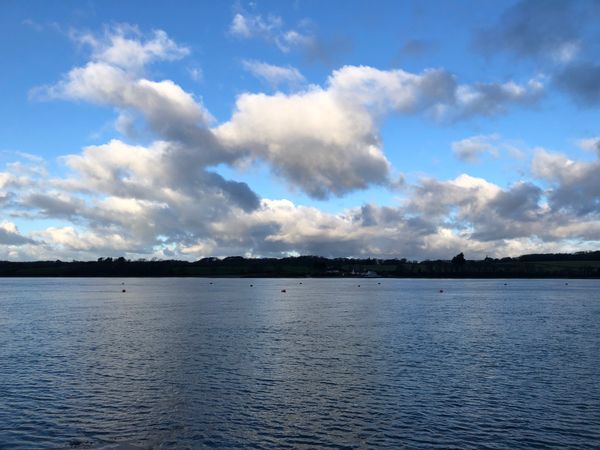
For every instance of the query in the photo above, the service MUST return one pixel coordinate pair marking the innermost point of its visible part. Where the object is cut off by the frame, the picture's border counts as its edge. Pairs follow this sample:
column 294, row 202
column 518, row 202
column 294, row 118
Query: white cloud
column 434, row 91
column 489, row 99
column 555, row 166
column 196, row 73
column 166, row 107
column 591, row 144
column 73, row 240
column 240, row 26
column 274, row 75
column 10, row 235
column 270, row 29
column 470, row 149
column 434, row 199
column 160, row 172
column 125, row 124
column 115, row 77
column 567, row 51
column 382, row 91
column 310, row 139
column 124, row 46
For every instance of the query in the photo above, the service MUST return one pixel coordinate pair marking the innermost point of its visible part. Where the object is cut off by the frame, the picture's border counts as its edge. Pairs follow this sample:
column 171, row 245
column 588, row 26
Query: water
column 182, row 363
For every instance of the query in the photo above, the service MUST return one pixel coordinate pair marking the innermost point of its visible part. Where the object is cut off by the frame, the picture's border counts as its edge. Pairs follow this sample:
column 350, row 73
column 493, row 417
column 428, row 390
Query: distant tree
column 208, row 259
column 234, row 259
column 459, row 259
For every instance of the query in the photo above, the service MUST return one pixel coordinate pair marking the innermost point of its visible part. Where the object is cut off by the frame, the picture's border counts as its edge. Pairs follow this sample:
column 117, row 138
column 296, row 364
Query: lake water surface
column 183, row 363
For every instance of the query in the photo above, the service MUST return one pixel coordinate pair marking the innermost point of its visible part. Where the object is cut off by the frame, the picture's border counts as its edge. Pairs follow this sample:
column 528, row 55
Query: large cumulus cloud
column 325, row 140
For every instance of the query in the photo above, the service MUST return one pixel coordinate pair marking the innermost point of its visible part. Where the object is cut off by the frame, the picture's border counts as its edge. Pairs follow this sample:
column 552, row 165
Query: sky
column 385, row 129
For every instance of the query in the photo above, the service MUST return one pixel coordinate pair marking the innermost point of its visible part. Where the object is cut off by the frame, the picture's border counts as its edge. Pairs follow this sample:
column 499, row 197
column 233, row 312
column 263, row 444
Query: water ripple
column 181, row 363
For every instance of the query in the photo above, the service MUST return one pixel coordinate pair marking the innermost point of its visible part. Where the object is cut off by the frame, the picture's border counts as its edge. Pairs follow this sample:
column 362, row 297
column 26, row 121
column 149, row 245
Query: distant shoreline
column 545, row 266
column 239, row 277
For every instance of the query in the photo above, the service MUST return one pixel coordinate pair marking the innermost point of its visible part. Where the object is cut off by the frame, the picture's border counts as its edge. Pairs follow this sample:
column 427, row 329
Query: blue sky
column 408, row 129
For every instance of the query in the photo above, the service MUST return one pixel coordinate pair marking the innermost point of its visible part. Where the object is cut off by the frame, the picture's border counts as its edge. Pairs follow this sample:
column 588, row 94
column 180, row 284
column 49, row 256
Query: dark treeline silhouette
column 567, row 265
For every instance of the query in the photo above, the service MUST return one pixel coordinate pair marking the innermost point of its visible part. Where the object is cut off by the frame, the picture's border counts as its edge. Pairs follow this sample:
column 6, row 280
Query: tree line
column 562, row 265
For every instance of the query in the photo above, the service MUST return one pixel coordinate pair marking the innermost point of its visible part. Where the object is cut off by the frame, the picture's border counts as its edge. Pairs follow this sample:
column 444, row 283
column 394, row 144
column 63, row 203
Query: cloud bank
column 166, row 197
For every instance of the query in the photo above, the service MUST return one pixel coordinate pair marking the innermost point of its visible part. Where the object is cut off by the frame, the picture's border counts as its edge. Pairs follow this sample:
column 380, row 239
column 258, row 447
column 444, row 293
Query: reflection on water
column 182, row 363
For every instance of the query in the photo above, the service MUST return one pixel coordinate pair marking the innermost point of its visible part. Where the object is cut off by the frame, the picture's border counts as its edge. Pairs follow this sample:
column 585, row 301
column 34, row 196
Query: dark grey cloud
column 370, row 215
column 6, row 197
column 9, row 237
column 580, row 195
column 512, row 213
column 534, row 28
column 327, row 51
column 521, row 202
column 480, row 208
column 582, row 82
column 439, row 219
column 560, row 35
column 337, row 178
column 367, row 215
column 373, row 215
column 53, row 206
column 237, row 192
column 574, row 185
column 415, row 48
column 490, row 99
